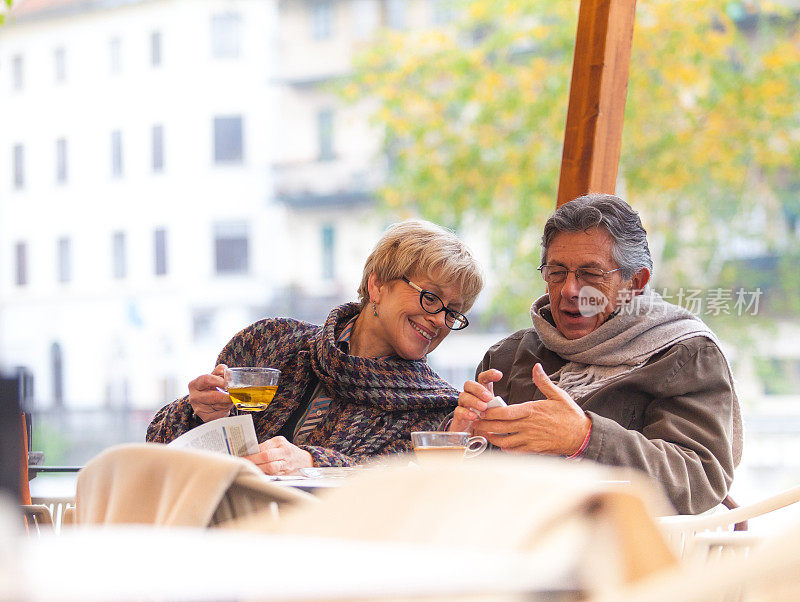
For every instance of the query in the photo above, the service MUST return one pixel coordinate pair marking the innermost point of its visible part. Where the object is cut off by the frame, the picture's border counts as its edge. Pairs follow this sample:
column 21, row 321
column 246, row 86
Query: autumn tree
column 473, row 116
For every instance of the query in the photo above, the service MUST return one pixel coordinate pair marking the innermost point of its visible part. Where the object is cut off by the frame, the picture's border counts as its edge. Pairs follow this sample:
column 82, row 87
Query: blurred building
column 171, row 171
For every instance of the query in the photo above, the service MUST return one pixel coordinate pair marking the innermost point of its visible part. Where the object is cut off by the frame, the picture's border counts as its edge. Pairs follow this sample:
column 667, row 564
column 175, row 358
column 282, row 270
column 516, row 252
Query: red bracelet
column 583, row 445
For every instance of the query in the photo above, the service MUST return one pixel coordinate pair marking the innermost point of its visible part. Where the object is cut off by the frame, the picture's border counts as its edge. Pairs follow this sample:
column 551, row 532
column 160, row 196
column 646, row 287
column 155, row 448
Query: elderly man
column 610, row 371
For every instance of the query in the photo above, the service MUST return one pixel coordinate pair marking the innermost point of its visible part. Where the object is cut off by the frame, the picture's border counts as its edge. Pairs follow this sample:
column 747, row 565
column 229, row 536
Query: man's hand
column 556, row 425
column 473, row 399
column 277, row 456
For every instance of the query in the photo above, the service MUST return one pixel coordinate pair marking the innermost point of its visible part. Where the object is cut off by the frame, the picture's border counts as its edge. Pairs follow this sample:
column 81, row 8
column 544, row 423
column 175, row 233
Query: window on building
column 21, row 264
column 57, row 370
column 115, row 55
column 226, row 35
column 396, row 14
column 61, row 160
column 116, row 153
column 155, row 49
column 157, row 135
column 64, row 260
column 160, row 251
column 16, row 72
column 366, row 18
column 202, row 324
column 325, row 134
column 60, row 64
column 119, row 266
column 231, row 248
column 18, row 167
column 328, row 257
column 228, row 143
column 322, row 19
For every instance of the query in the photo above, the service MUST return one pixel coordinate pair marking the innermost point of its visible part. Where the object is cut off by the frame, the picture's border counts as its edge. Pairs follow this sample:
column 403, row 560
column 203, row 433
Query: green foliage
column 8, row 4
column 777, row 376
column 473, row 116
column 52, row 441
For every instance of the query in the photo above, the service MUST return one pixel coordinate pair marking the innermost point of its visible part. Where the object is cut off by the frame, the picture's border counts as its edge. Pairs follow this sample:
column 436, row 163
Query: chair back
column 767, row 572
column 568, row 518
column 59, row 508
column 682, row 531
column 155, row 484
column 38, row 518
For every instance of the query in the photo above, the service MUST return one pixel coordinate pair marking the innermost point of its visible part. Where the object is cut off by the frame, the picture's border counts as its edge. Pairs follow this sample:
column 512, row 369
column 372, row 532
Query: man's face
column 579, row 308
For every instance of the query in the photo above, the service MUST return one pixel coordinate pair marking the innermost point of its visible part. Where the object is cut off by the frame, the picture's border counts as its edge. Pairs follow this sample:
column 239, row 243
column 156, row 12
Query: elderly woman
column 358, row 385
column 610, row 371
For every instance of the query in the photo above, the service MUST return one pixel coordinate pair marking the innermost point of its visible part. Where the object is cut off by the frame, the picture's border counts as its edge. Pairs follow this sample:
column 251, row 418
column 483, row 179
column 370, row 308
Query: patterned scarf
column 390, row 384
column 644, row 326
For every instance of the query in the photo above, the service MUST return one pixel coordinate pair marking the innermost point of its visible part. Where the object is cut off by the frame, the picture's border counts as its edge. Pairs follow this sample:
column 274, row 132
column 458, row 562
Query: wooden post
column 593, row 134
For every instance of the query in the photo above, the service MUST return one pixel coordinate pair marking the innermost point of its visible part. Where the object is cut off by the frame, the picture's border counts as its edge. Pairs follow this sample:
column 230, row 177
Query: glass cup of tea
column 251, row 389
column 436, row 446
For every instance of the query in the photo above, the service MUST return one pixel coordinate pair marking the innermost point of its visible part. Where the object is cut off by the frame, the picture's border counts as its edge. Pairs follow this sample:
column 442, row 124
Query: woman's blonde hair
column 417, row 247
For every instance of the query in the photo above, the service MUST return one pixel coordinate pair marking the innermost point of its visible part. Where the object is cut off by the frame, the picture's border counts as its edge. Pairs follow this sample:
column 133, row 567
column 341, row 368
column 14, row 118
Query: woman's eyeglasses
column 432, row 304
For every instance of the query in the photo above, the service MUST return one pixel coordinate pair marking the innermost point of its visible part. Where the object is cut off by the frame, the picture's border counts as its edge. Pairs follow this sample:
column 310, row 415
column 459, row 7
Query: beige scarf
column 644, row 326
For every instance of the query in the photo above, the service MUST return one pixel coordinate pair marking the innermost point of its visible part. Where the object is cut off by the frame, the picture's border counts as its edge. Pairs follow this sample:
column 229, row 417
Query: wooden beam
column 593, row 134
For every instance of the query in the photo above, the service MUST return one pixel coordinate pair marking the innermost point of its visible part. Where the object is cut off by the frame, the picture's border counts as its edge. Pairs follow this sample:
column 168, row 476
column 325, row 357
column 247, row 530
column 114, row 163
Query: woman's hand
column 473, row 399
column 278, row 456
column 206, row 401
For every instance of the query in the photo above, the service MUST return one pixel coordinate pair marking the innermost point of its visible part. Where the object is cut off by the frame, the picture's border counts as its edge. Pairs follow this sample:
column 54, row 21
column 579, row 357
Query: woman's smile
column 423, row 332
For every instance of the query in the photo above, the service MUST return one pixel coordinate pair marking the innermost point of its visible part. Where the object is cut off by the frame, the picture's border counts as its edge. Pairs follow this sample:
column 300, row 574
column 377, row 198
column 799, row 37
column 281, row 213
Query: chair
column 768, row 573
column 712, row 546
column 151, row 483
column 58, row 507
column 588, row 522
column 38, row 518
column 691, row 536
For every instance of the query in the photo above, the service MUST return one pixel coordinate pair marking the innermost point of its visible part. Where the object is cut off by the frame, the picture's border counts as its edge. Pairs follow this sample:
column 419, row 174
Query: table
column 35, row 469
column 308, row 484
column 67, row 487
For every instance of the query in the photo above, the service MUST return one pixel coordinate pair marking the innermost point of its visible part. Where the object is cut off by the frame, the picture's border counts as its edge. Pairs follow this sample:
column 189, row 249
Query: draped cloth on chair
column 151, row 483
column 592, row 524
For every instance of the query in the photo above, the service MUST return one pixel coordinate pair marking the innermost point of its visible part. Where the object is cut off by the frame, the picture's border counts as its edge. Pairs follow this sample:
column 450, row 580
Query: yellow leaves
column 774, row 87
column 490, row 87
column 384, row 115
column 479, row 10
column 782, row 56
column 540, row 32
column 350, row 91
column 683, row 75
column 391, row 196
column 435, row 38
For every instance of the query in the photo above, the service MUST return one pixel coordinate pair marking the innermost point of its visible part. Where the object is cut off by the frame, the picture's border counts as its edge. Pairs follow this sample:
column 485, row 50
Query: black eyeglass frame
column 579, row 273
column 454, row 315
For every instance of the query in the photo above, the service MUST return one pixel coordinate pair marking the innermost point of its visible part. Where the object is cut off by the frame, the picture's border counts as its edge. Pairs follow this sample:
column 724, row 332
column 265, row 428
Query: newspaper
column 233, row 435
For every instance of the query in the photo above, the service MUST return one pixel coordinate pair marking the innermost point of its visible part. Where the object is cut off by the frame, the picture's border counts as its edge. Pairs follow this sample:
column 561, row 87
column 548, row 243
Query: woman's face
column 403, row 327
column 579, row 309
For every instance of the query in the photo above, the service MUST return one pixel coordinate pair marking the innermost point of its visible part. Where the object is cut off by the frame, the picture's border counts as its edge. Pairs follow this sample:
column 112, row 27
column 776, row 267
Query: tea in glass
column 252, row 389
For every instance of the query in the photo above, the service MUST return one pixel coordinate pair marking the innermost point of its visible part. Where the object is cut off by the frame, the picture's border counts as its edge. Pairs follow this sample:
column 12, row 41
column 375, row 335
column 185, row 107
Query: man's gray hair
column 613, row 215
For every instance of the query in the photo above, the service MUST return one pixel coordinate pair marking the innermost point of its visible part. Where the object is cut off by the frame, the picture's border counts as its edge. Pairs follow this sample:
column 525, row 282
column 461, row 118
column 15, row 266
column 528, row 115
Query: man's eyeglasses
column 556, row 274
column 432, row 304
